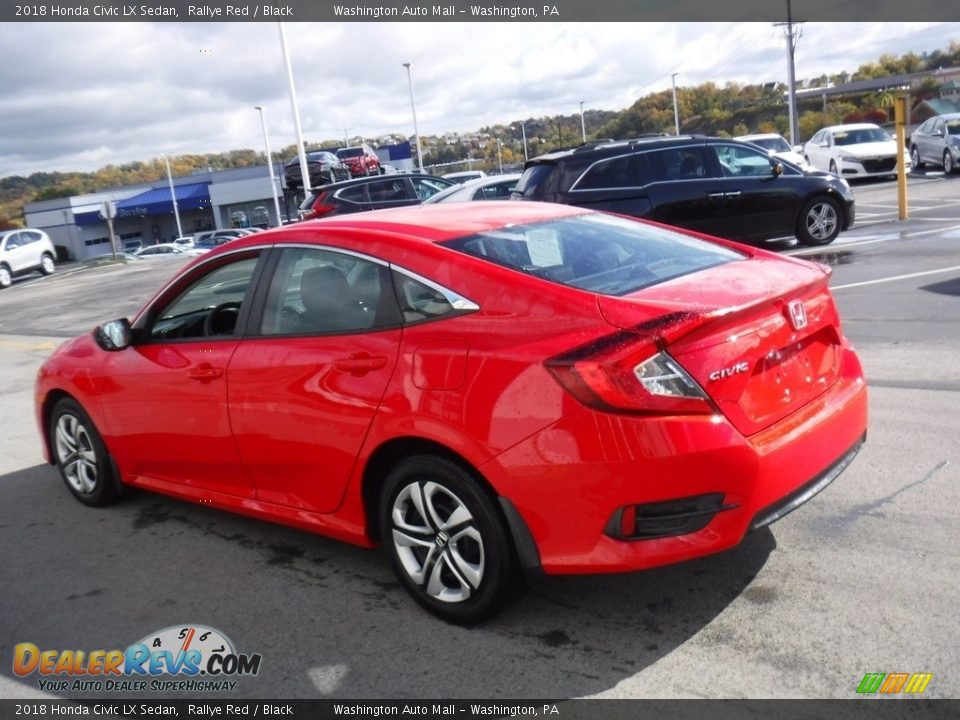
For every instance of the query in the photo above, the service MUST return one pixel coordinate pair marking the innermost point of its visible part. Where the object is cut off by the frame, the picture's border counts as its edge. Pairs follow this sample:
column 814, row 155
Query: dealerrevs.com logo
column 184, row 658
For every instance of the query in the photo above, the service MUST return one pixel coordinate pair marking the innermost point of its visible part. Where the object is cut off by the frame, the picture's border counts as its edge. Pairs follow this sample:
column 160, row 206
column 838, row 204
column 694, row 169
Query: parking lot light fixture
column 173, row 195
column 413, row 109
column 273, row 179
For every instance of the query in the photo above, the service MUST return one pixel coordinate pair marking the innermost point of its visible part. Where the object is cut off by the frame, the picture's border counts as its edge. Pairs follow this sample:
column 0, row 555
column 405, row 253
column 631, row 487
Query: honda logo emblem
column 797, row 314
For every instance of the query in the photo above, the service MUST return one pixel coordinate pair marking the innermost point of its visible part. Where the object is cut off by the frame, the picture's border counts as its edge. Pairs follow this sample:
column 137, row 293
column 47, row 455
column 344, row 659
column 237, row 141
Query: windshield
column 595, row 252
column 859, row 136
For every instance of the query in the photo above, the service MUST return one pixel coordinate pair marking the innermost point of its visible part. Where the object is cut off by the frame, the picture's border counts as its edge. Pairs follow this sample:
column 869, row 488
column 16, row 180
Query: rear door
column 305, row 385
column 613, row 184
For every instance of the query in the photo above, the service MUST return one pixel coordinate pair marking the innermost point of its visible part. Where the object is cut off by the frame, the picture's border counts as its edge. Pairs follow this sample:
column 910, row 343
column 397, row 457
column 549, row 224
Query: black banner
column 873, row 709
column 477, row 11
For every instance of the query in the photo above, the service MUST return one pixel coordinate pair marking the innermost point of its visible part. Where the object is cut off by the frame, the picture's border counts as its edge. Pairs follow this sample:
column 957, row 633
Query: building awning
column 156, row 201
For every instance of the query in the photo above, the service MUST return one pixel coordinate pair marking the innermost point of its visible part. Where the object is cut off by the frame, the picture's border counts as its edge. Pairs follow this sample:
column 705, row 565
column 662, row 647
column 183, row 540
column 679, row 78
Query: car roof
column 373, row 178
column 430, row 223
column 758, row 136
column 854, row 126
column 612, row 147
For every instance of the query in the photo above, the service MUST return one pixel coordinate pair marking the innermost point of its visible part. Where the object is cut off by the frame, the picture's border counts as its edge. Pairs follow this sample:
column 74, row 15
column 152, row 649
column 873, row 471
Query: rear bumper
column 569, row 480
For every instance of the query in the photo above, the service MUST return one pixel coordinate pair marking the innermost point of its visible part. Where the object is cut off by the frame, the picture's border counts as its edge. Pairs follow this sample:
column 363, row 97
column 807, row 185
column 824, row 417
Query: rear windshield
column 349, row 152
column 596, row 252
column 533, row 177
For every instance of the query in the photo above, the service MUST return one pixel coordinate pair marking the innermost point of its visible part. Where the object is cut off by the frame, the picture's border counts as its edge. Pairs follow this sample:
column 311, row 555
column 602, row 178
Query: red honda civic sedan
column 484, row 389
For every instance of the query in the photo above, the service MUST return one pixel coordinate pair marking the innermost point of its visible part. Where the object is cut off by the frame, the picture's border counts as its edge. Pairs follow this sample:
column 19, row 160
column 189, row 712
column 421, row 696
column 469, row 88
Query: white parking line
column 866, row 241
column 895, row 277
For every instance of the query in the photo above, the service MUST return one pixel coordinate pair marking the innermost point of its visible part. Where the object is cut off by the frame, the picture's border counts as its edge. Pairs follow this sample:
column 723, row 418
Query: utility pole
column 793, row 36
column 676, row 111
column 583, row 125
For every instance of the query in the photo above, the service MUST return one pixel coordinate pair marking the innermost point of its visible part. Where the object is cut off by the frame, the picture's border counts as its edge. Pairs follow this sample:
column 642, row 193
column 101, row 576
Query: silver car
column 23, row 251
column 493, row 187
column 937, row 141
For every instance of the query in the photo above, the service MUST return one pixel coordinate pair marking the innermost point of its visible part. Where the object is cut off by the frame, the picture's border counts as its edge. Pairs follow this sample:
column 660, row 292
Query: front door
column 167, row 417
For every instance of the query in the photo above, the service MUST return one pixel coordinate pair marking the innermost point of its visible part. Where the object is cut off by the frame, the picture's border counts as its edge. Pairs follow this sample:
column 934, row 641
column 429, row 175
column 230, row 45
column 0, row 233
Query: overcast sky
column 78, row 96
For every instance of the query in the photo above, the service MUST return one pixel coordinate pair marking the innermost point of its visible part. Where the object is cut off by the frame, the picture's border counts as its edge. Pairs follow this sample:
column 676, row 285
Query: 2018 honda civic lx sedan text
column 482, row 388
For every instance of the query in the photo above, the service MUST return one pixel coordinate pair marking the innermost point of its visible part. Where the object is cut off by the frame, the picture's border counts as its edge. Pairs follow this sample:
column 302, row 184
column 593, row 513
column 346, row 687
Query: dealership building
column 145, row 213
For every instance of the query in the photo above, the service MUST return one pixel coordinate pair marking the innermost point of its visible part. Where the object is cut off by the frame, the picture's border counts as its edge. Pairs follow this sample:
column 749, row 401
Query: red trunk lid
column 769, row 338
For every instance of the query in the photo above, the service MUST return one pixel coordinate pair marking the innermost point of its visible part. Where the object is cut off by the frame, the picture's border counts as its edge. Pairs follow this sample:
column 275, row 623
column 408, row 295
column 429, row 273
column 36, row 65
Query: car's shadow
column 329, row 620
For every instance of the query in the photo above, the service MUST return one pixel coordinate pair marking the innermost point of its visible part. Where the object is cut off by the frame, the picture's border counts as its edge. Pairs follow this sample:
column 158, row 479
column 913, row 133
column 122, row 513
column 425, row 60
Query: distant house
column 948, row 102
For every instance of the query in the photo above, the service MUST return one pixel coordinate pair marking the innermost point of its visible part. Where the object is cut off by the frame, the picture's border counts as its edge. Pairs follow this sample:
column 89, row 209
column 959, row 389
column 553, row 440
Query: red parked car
column 482, row 388
column 361, row 160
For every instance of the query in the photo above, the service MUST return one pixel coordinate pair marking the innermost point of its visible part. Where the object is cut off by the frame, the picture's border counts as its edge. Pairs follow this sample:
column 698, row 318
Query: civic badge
column 797, row 314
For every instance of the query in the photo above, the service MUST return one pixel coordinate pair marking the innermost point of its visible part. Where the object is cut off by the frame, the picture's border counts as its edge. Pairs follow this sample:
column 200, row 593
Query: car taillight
column 629, row 372
column 318, row 209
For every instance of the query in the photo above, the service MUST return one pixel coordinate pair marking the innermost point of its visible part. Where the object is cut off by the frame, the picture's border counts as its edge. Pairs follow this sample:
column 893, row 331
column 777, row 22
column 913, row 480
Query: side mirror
column 776, row 168
column 114, row 335
column 798, row 149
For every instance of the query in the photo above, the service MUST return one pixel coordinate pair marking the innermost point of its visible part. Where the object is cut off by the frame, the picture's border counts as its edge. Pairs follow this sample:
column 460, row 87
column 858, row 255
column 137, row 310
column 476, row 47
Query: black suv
column 370, row 193
column 711, row 185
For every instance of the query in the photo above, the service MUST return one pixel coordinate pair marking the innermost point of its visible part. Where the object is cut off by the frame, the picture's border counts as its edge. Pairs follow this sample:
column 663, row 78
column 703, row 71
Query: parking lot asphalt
column 862, row 579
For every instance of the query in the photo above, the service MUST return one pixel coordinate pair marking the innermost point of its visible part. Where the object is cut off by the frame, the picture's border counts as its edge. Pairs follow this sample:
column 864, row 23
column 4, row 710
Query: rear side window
column 685, row 163
column 596, row 252
column 618, row 172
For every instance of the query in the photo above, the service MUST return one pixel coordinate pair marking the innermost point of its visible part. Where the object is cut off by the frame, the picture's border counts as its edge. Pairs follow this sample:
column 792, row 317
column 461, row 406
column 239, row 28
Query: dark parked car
column 937, row 141
column 372, row 193
column 712, row 185
column 323, row 166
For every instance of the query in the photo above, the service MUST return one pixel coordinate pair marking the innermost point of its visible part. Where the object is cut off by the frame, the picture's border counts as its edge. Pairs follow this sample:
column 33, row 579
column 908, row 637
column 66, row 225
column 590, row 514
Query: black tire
column 463, row 572
column 915, row 158
column 47, row 264
column 948, row 167
column 6, row 277
column 819, row 222
column 81, row 456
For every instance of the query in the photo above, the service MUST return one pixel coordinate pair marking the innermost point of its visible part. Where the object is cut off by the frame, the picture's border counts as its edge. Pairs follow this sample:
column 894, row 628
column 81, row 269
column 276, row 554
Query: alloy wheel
column 46, row 265
column 947, row 162
column 76, row 454
column 821, row 220
column 438, row 542
column 6, row 279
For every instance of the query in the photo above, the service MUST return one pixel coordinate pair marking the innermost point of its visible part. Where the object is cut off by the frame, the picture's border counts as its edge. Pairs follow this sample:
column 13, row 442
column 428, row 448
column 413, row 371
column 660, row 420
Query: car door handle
column 716, row 195
column 204, row 372
column 360, row 364
column 735, row 193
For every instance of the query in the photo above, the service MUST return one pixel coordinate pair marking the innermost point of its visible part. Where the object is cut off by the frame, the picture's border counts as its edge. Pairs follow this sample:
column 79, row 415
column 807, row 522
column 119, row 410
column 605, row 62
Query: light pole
column 173, row 196
column 273, row 182
column 583, row 125
column 499, row 155
column 523, row 129
column 413, row 109
column 676, row 111
column 304, row 171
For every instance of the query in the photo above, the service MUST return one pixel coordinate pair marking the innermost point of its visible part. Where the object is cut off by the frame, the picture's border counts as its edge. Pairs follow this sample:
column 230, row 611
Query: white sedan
column 854, row 151
column 776, row 146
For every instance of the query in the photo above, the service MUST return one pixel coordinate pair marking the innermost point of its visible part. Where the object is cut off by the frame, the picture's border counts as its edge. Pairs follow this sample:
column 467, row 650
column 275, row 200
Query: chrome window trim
column 457, row 301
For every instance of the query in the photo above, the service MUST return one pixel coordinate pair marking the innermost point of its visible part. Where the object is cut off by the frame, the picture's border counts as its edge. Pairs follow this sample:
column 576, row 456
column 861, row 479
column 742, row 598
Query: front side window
column 209, row 307
column 596, row 252
column 425, row 187
column 317, row 291
column 738, row 161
